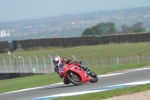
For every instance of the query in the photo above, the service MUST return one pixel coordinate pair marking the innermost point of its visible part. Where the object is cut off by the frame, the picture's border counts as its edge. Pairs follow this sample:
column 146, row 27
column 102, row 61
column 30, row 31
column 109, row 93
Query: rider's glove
column 70, row 62
column 56, row 69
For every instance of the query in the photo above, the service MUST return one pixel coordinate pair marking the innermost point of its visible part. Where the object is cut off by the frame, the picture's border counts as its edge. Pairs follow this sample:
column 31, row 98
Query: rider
column 57, row 60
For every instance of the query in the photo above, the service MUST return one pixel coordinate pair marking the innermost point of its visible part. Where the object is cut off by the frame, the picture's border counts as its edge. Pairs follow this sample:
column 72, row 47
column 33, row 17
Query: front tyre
column 74, row 78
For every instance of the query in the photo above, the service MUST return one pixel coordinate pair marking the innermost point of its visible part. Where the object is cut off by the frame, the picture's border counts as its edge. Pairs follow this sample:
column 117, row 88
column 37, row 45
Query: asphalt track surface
column 104, row 81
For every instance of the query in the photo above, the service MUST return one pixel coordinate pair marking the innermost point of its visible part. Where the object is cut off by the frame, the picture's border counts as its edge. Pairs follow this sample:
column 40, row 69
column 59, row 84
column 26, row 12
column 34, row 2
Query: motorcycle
column 72, row 73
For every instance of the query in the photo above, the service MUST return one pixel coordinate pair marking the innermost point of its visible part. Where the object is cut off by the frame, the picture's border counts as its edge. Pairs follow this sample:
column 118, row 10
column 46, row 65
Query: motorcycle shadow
column 58, row 87
column 62, row 86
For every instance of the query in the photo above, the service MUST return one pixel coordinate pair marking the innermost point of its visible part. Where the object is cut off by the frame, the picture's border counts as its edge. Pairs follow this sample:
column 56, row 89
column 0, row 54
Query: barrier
column 76, row 41
column 4, row 46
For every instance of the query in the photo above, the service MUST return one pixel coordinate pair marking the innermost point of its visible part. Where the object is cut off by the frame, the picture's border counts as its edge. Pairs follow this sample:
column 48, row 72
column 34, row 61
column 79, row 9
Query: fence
column 28, row 64
column 73, row 41
column 111, row 61
column 43, row 64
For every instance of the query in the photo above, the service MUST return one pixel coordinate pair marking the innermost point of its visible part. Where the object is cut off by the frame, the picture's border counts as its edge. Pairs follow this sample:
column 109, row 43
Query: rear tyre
column 74, row 78
column 93, row 77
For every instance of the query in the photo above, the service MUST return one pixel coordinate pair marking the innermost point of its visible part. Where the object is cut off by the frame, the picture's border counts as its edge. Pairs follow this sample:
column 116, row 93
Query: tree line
column 110, row 28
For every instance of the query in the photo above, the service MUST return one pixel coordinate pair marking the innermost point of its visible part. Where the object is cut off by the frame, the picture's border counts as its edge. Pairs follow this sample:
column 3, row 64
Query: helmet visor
column 56, row 62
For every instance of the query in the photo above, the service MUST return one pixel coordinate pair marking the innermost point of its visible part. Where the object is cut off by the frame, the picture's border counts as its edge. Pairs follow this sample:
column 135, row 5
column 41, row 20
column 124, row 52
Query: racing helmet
column 56, row 60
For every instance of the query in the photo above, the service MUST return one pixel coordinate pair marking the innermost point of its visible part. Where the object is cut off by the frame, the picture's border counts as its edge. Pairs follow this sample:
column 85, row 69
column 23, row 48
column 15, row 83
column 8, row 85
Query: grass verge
column 123, row 49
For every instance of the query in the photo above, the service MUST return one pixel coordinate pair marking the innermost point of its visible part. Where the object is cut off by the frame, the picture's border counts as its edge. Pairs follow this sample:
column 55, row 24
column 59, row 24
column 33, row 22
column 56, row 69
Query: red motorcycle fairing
column 65, row 68
column 80, row 72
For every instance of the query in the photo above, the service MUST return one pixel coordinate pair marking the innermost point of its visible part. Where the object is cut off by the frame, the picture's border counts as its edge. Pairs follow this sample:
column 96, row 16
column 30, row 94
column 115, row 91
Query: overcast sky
column 13, row 10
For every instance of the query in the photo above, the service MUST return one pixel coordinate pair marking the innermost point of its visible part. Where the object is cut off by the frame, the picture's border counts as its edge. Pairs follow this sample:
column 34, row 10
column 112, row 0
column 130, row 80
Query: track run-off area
column 105, row 82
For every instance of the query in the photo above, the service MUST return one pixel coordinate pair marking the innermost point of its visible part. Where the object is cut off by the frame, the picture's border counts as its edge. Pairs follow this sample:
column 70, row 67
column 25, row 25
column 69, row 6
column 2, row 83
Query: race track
column 104, row 81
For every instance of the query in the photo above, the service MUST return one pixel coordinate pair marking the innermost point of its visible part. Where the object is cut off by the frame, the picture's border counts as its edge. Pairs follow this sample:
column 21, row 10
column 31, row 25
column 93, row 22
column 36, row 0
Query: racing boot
column 83, row 67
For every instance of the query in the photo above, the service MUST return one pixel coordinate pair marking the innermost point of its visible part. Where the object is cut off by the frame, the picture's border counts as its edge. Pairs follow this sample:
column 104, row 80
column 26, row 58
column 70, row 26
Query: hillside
column 73, row 25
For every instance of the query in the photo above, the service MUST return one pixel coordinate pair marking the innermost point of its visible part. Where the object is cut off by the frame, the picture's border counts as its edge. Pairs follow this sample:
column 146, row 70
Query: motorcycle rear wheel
column 74, row 78
column 94, row 78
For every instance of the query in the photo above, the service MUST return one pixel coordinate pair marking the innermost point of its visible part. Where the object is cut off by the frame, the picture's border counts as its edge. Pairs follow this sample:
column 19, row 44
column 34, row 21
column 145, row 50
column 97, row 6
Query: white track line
column 91, row 91
column 30, row 88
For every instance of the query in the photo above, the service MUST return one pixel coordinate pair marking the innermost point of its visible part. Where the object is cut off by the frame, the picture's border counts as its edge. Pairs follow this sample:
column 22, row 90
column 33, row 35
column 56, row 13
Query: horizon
column 37, row 9
column 69, row 15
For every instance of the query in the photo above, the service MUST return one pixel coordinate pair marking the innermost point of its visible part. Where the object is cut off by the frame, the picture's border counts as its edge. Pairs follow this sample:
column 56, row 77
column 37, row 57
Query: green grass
column 45, row 79
column 107, row 94
column 87, row 51
column 105, row 70
column 28, row 82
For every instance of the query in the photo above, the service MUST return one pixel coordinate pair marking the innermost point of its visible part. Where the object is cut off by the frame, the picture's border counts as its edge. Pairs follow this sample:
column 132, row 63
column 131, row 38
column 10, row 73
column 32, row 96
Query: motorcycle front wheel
column 74, row 78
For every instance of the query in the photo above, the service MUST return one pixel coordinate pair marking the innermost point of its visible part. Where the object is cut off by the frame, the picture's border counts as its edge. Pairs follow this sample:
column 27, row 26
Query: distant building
column 4, row 33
